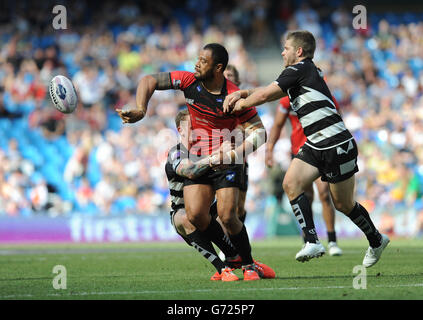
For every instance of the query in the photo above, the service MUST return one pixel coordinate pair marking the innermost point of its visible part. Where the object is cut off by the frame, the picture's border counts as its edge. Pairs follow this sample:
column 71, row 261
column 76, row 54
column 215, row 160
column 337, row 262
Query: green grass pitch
column 167, row 271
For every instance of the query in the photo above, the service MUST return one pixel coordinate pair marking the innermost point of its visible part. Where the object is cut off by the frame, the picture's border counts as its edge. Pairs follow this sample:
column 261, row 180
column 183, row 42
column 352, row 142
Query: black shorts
column 172, row 215
column 244, row 181
column 335, row 164
column 226, row 178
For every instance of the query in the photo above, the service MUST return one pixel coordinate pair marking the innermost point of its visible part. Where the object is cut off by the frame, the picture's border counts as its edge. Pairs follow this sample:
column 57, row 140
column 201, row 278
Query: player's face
column 185, row 130
column 204, row 66
column 289, row 53
column 229, row 74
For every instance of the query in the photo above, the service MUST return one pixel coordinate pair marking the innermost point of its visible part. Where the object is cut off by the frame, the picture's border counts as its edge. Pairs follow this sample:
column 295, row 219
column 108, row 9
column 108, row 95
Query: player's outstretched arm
column 259, row 96
column 146, row 87
column 275, row 132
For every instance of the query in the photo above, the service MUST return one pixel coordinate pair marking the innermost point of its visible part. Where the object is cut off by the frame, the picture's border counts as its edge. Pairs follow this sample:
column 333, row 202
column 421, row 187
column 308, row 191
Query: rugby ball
column 63, row 94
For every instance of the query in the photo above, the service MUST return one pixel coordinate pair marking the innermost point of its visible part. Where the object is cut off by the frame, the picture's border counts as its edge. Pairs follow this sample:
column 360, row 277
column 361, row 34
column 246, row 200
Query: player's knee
column 186, row 224
column 343, row 206
column 324, row 197
column 178, row 221
column 290, row 187
column 229, row 217
column 198, row 220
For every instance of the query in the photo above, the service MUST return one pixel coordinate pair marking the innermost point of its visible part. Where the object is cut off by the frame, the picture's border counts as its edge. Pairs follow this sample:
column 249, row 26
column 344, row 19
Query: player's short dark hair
column 219, row 54
column 180, row 116
column 232, row 68
column 305, row 40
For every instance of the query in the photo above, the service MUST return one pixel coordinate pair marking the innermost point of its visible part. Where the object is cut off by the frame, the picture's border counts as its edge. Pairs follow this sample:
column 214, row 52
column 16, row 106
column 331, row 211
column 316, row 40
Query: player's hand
column 230, row 101
column 221, row 159
column 268, row 158
column 130, row 116
column 215, row 162
column 239, row 106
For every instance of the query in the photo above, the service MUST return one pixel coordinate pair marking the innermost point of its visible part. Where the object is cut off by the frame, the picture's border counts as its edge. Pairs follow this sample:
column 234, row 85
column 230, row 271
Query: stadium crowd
column 89, row 162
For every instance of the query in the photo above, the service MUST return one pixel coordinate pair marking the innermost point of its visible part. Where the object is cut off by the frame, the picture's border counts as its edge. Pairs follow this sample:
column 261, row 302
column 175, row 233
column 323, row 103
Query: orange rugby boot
column 228, row 275
column 216, row 277
column 250, row 272
column 264, row 271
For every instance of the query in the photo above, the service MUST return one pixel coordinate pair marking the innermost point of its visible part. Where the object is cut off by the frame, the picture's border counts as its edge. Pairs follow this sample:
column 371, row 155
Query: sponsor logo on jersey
column 230, row 176
column 176, row 83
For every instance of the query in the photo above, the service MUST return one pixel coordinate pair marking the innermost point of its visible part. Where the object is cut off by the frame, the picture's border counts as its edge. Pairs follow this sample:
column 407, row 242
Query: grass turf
column 167, row 271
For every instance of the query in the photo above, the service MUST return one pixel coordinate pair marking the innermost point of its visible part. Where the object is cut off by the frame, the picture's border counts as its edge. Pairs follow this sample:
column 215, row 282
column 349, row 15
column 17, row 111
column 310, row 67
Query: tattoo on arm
column 163, row 80
column 191, row 170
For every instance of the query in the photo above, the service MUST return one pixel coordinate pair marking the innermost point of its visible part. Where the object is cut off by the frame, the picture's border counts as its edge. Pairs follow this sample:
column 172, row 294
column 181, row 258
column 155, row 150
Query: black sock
column 242, row 218
column 203, row 245
column 302, row 211
column 242, row 243
column 214, row 233
column 332, row 236
column 361, row 218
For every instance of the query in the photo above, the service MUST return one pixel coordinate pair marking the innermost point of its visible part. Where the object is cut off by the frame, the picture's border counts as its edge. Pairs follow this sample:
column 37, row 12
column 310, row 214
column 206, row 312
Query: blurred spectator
column 90, row 85
column 39, row 195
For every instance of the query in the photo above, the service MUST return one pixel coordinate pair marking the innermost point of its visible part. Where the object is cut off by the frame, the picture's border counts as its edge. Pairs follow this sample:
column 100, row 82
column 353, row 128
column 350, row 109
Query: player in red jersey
column 298, row 139
column 205, row 91
column 231, row 73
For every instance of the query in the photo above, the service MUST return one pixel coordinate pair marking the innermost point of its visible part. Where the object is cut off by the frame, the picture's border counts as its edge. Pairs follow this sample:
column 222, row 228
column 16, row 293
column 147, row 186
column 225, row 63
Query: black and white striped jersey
column 176, row 183
column 312, row 100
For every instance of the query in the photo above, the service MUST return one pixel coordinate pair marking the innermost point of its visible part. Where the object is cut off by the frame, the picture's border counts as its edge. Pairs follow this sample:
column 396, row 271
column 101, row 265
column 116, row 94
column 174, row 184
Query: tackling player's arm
column 259, row 96
column 275, row 132
column 192, row 170
column 232, row 98
column 146, row 87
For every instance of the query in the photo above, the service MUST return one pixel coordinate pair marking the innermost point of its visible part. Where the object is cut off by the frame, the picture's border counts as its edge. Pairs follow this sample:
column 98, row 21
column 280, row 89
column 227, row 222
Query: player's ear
column 219, row 67
column 299, row 51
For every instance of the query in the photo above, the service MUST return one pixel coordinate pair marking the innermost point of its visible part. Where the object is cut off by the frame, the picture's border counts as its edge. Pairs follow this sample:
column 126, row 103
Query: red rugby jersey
column 205, row 108
column 297, row 135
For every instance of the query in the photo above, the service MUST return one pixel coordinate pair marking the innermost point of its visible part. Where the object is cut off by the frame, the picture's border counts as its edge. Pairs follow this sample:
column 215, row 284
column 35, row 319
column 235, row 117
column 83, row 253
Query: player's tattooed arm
column 163, row 81
column 192, row 170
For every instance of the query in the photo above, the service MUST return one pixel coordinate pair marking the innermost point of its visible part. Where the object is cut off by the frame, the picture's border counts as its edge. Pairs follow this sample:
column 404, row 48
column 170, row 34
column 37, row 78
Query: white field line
column 101, row 293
